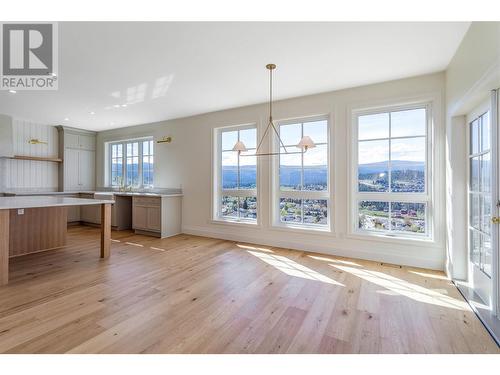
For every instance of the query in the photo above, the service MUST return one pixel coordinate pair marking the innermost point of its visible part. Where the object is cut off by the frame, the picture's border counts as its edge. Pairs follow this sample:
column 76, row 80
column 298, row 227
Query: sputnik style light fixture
column 305, row 143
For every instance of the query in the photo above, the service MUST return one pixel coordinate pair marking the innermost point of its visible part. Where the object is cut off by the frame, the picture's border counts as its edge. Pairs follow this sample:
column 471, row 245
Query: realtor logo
column 29, row 56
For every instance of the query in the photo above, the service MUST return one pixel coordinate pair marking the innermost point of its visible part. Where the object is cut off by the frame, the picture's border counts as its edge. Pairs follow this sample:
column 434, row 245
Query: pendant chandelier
column 305, row 143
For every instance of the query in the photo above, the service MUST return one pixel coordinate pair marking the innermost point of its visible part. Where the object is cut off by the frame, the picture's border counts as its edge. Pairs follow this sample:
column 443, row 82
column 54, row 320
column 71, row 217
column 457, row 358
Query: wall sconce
column 35, row 141
column 165, row 140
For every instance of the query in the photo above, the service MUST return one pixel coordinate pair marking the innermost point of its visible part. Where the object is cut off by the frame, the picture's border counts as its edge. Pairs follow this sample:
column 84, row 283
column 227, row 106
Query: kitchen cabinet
column 77, row 171
column 87, row 142
column 158, row 216
column 86, row 169
column 79, row 141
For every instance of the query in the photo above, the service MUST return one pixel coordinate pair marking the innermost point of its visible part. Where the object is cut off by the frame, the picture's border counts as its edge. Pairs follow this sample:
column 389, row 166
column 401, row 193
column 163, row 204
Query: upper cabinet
column 6, row 136
column 79, row 141
column 78, row 170
column 87, row 142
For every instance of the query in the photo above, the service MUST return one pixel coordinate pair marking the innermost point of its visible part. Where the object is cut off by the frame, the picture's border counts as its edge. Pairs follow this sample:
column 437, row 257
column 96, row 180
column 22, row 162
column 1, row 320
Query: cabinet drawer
column 147, row 201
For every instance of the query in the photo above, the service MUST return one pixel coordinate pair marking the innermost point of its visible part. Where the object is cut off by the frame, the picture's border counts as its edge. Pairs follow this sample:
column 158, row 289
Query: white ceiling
column 169, row 70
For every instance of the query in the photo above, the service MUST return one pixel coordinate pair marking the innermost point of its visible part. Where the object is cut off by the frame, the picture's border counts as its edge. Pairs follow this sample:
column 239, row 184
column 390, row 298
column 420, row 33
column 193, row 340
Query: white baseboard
column 378, row 256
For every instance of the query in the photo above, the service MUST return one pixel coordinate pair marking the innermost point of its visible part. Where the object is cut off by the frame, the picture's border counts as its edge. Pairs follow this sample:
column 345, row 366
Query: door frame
column 495, row 197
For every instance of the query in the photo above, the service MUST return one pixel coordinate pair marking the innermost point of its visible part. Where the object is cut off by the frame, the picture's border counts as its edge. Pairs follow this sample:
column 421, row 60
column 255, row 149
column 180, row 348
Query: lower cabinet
column 158, row 216
column 151, row 215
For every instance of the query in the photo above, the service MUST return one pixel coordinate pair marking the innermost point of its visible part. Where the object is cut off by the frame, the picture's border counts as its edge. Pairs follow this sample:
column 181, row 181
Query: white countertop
column 8, row 203
column 138, row 194
column 120, row 193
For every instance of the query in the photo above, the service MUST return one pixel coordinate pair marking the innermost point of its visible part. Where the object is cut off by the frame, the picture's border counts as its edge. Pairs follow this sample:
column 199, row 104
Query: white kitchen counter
column 8, row 203
column 121, row 193
column 139, row 194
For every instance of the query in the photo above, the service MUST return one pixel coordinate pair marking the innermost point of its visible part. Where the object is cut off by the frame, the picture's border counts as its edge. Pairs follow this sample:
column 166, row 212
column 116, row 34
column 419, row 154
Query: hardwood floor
column 190, row 294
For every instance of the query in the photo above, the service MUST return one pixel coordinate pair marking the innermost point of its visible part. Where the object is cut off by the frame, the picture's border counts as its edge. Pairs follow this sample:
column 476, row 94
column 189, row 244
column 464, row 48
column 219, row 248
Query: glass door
column 480, row 203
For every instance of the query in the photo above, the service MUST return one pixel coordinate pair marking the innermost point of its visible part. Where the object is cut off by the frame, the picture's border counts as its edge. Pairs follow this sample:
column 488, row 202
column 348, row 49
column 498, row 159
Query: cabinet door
column 87, row 165
column 140, row 217
column 87, row 142
column 71, row 140
column 154, row 218
column 71, row 169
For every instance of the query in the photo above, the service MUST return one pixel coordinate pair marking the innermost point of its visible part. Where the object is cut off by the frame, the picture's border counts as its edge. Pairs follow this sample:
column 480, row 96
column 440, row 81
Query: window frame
column 218, row 191
column 426, row 197
column 124, row 161
column 277, row 193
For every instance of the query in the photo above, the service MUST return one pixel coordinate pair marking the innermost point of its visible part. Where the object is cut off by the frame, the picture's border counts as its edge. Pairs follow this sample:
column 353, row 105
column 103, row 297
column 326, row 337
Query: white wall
column 186, row 163
column 471, row 74
column 27, row 174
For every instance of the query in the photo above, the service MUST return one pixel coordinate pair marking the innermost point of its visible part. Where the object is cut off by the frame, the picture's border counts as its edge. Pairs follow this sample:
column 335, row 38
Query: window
column 236, row 185
column 302, row 178
column 132, row 163
column 392, row 193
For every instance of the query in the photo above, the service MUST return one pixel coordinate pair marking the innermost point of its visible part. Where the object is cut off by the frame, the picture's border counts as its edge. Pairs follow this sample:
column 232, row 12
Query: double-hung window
column 302, row 179
column 392, row 192
column 236, row 181
column 131, row 163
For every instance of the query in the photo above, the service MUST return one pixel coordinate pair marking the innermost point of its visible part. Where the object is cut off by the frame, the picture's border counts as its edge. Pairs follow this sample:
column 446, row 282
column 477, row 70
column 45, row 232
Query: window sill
column 304, row 229
column 381, row 237
column 221, row 221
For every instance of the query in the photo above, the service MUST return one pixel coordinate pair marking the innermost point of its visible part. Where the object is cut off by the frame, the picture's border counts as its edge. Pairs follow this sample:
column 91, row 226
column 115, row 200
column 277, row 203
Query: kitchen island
column 37, row 223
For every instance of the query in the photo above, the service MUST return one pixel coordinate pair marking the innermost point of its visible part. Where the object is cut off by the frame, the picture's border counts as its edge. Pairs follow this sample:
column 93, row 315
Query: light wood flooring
column 191, row 294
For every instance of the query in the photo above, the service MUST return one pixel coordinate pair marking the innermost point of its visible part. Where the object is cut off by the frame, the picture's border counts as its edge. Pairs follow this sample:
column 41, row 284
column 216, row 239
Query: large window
column 392, row 192
column 236, row 186
column 302, row 178
column 132, row 163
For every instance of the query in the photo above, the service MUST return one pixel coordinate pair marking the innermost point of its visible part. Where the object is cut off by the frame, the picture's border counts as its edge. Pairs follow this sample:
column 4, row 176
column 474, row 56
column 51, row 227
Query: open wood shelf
column 37, row 158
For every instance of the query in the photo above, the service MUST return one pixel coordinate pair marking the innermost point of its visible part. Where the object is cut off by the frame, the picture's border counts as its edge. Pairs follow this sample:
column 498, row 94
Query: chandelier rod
column 271, row 67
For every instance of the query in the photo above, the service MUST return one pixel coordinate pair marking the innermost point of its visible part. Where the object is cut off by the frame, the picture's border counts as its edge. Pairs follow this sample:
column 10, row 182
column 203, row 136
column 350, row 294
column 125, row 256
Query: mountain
column 396, row 165
column 289, row 175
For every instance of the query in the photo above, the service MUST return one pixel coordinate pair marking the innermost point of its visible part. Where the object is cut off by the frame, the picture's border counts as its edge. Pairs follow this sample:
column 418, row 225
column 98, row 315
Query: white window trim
column 426, row 197
column 276, row 192
column 109, row 146
column 218, row 192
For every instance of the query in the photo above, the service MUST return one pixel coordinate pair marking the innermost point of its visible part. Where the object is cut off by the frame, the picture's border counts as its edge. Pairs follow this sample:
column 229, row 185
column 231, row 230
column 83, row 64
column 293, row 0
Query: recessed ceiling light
column 117, row 106
column 13, row 91
column 66, row 119
column 124, row 105
column 92, row 113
